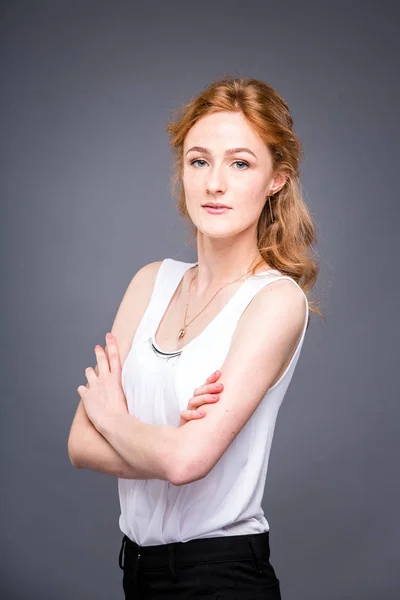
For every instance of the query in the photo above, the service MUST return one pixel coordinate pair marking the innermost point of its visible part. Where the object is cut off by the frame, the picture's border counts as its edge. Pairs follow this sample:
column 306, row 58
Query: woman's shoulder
column 133, row 305
column 167, row 261
column 146, row 277
column 149, row 270
column 147, row 274
column 136, row 299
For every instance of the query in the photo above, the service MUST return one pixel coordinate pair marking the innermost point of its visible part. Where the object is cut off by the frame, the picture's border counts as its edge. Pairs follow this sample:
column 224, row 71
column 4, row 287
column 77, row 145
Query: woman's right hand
column 206, row 394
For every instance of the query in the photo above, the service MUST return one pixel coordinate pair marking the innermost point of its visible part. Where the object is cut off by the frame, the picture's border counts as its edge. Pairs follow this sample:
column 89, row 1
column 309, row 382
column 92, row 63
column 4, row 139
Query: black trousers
column 218, row 568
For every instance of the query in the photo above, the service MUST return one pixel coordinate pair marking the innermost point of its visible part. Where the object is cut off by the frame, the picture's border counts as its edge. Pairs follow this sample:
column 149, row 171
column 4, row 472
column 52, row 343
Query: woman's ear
column 278, row 182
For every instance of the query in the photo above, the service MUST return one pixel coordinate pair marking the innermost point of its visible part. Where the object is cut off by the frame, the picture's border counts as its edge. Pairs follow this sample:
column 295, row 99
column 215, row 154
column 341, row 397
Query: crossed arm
column 88, row 449
column 269, row 331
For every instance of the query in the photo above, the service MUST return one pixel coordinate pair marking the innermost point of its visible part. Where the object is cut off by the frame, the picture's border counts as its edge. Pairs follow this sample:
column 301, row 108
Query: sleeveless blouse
column 158, row 386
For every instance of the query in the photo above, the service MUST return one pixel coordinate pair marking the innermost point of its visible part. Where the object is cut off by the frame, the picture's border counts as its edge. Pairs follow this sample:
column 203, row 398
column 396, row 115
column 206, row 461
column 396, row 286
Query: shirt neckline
column 179, row 351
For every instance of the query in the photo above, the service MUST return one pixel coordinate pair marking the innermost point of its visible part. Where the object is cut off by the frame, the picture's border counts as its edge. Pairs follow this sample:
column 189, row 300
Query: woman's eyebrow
column 227, row 152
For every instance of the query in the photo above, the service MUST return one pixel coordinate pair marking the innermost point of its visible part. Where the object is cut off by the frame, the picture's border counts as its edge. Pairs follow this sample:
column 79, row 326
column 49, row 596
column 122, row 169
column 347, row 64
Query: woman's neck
column 215, row 270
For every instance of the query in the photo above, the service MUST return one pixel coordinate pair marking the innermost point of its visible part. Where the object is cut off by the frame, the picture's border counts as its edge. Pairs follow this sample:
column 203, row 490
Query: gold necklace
column 182, row 331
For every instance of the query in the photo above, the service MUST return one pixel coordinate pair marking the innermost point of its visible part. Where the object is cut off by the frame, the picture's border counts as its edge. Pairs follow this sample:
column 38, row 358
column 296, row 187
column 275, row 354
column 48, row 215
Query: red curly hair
column 285, row 241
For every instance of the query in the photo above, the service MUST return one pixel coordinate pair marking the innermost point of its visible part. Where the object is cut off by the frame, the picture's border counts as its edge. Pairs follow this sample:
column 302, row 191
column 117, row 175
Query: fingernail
column 109, row 337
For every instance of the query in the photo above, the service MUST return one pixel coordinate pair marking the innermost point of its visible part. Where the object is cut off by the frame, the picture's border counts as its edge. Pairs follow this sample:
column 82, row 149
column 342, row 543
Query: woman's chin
column 216, row 232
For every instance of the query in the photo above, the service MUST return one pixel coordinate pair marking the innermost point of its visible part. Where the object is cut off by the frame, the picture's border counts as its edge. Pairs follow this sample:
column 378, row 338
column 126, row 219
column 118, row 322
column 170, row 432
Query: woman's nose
column 216, row 182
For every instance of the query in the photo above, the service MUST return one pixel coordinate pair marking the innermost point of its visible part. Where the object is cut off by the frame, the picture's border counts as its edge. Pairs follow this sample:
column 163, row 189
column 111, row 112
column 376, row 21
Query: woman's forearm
column 88, row 449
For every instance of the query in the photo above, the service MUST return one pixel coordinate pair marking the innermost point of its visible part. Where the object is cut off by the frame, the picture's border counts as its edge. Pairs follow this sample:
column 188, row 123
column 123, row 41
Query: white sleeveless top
column 158, row 387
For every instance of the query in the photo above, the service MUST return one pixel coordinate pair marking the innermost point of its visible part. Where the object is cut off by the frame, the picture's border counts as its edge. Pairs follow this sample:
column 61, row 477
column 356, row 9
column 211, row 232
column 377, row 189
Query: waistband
column 213, row 549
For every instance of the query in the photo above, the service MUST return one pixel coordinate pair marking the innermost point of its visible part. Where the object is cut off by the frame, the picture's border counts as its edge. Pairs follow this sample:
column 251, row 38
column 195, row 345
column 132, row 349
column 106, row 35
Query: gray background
column 86, row 89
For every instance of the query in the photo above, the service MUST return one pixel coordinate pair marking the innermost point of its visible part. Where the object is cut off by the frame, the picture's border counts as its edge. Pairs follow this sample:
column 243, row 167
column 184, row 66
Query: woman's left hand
column 104, row 395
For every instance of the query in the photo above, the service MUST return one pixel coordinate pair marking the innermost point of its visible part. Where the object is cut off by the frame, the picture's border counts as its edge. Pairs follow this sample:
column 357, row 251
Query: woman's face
column 240, row 179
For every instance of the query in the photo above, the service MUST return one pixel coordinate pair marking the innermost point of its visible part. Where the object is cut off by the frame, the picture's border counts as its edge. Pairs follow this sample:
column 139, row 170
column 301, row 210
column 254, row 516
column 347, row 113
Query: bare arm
column 264, row 341
column 87, row 448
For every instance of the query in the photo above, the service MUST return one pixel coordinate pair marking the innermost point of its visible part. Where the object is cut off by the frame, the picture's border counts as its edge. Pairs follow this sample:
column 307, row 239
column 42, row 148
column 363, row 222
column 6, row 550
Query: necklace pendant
column 181, row 333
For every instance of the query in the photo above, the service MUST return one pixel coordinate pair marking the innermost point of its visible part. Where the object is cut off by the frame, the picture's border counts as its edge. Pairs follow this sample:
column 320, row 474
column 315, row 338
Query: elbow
column 187, row 472
column 74, row 456
column 175, row 477
column 187, row 462
column 75, row 462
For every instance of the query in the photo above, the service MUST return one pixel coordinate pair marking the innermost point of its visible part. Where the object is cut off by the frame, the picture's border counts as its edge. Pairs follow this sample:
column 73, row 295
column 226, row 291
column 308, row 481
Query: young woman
column 182, row 403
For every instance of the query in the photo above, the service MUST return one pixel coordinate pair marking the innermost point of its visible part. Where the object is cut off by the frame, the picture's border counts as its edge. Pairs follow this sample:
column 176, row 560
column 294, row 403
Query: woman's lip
column 210, row 206
column 213, row 210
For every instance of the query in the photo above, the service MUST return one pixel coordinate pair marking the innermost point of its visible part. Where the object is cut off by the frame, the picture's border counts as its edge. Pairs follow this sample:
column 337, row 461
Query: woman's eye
column 241, row 162
column 197, row 160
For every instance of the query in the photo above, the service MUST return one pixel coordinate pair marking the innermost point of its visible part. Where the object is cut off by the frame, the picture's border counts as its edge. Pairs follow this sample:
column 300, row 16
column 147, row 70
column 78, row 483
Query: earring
column 270, row 209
